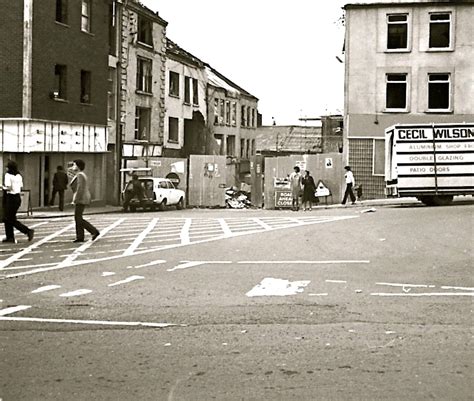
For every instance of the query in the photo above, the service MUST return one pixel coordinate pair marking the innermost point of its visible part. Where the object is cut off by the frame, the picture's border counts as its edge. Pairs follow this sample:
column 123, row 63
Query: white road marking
column 447, row 287
column 225, row 227
column 277, row 287
column 94, row 322
column 261, row 223
column 107, row 274
column 13, row 309
column 187, row 264
column 34, row 245
column 152, row 263
column 184, row 235
column 78, row 252
column 423, row 294
column 29, row 266
column 140, row 238
column 335, row 281
column 405, row 285
column 302, row 262
column 127, row 280
column 45, row 288
column 318, row 295
column 75, row 293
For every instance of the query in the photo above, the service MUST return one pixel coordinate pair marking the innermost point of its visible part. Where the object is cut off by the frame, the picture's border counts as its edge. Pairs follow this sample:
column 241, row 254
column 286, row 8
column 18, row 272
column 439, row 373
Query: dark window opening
column 440, row 26
column 145, row 30
column 85, row 86
column 173, row 129
column 396, row 95
column 61, row 11
column 174, row 84
column 142, row 123
column 187, row 90
column 438, row 92
column 397, row 31
column 60, row 75
column 112, row 29
column 195, row 92
column 144, row 75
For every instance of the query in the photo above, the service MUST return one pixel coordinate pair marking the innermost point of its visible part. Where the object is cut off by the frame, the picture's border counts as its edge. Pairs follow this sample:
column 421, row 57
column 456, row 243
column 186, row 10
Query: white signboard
column 328, row 162
column 322, row 189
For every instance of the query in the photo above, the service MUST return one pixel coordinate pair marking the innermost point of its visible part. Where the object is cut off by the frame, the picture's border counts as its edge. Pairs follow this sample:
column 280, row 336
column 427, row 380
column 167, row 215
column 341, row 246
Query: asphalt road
column 336, row 304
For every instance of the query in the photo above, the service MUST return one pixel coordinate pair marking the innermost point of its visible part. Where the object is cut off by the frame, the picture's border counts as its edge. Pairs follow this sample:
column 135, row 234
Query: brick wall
column 55, row 43
column 11, row 58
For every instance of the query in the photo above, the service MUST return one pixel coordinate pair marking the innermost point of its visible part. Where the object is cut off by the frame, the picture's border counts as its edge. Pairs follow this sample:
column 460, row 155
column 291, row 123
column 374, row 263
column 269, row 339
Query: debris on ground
column 237, row 199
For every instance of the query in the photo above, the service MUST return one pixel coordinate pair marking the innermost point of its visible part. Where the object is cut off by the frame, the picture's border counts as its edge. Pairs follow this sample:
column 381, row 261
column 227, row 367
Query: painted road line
column 107, row 274
column 29, row 266
column 184, row 235
column 76, row 293
column 336, row 281
column 13, row 309
column 45, row 288
column 406, row 285
column 323, row 294
column 447, row 287
column 262, row 224
column 92, row 322
column 135, row 244
column 127, row 280
column 302, row 262
column 34, row 245
column 152, row 263
column 225, row 227
column 79, row 251
column 277, row 287
column 187, row 264
column 424, row 294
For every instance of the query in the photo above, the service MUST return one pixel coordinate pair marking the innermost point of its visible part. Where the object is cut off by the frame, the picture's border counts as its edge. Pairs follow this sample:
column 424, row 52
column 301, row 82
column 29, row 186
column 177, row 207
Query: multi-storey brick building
column 406, row 62
column 53, row 97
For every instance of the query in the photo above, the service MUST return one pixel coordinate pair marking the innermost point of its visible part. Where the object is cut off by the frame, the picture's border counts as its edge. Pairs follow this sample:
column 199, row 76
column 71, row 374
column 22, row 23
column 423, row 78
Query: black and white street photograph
column 168, row 235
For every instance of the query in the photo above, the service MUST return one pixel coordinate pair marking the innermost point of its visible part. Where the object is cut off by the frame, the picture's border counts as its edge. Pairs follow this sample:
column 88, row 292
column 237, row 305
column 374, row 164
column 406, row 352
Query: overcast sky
column 281, row 51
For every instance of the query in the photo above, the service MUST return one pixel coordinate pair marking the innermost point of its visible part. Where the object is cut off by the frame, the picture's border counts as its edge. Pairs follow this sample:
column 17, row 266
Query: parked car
column 158, row 193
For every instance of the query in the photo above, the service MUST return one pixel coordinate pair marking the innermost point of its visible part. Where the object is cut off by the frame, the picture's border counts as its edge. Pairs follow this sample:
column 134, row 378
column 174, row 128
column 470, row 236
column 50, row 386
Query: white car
column 158, row 193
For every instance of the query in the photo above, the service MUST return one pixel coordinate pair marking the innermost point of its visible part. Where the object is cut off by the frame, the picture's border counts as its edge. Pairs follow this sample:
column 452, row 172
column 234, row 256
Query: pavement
column 54, row 212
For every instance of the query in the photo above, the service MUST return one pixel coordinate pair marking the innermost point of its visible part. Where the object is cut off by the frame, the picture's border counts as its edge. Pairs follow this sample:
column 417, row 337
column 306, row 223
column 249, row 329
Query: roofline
column 405, row 4
column 141, row 9
column 240, row 89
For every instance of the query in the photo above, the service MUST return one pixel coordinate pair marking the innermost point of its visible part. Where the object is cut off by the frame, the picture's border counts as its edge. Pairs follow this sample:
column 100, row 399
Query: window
column 231, row 145
column 86, row 16
column 111, row 99
column 174, row 84
column 61, row 11
column 249, row 122
column 233, row 115
column 195, row 92
column 85, row 86
column 145, row 31
column 187, row 90
column 227, row 112
column 222, row 111
column 440, row 27
column 253, row 118
column 242, row 116
column 216, row 111
column 60, row 75
column 253, row 147
column 242, row 148
column 173, row 129
column 112, row 28
column 397, row 31
column 247, row 150
column 142, row 123
column 438, row 91
column 144, row 75
column 396, row 93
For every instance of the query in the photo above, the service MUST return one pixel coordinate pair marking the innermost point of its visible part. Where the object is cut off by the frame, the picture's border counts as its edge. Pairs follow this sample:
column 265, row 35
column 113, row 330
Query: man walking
column 59, row 186
column 350, row 182
column 80, row 199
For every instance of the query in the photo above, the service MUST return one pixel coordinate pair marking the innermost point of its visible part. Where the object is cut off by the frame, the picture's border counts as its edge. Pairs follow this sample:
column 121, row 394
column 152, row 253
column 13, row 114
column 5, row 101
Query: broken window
column 145, row 30
column 187, row 90
column 85, row 86
column 195, row 92
column 60, row 75
column 440, row 27
column 397, row 31
column 174, row 84
column 233, row 115
column 216, row 111
column 438, row 91
column 396, row 93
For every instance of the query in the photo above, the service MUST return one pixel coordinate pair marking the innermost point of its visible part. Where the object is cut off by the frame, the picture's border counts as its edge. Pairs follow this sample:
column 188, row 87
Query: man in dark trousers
column 60, row 182
column 134, row 190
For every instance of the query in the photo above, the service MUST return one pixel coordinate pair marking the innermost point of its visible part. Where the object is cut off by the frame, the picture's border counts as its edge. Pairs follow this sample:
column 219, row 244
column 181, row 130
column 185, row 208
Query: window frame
column 227, row 112
column 144, row 82
column 381, row 166
column 170, row 130
column 450, row 94
column 86, row 87
column 144, row 31
column 395, row 82
column 450, row 30
column 86, row 17
column 187, row 90
column 61, row 12
column 174, row 84
column 391, row 23
column 60, row 82
column 138, row 123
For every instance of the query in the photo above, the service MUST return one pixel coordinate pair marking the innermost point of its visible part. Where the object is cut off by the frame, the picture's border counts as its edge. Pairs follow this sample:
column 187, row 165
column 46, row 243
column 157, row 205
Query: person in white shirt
column 12, row 185
column 350, row 182
column 296, row 188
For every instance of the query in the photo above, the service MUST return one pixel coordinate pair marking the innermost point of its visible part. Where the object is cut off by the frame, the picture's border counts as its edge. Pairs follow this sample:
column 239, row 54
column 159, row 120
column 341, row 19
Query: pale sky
column 281, row 51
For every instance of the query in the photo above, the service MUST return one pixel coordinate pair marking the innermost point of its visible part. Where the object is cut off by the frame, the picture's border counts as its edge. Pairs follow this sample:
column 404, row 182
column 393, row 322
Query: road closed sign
column 322, row 189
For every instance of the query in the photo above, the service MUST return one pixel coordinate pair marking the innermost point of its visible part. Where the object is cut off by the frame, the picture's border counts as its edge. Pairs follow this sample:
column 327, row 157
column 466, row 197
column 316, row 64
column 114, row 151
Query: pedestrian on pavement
column 81, row 198
column 309, row 187
column 350, row 182
column 295, row 185
column 60, row 182
column 12, row 185
column 135, row 189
